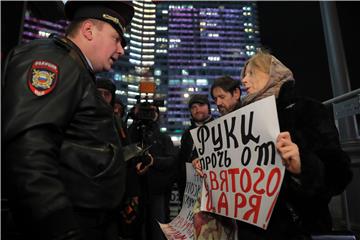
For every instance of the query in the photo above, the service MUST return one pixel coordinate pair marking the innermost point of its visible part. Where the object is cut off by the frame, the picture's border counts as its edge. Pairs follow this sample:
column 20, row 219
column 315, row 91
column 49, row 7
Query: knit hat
column 199, row 98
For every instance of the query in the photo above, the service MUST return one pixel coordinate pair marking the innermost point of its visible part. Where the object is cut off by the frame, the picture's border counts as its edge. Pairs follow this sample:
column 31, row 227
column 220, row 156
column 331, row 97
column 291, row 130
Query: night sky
column 293, row 32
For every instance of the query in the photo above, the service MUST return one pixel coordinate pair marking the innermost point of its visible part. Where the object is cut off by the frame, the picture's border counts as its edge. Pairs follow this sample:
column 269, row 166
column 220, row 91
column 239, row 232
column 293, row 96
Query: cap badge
column 43, row 77
column 114, row 20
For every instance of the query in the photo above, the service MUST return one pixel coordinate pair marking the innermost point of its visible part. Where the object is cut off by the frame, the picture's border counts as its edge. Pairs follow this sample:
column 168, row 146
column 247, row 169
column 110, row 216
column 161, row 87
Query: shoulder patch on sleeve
column 43, row 77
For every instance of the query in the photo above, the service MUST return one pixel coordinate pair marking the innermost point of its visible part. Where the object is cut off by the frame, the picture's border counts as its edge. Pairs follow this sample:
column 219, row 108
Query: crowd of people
column 67, row 177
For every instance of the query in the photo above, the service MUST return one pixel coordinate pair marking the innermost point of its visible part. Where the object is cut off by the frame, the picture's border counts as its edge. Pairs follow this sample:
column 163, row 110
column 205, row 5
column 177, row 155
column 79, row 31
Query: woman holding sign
column 316, row 167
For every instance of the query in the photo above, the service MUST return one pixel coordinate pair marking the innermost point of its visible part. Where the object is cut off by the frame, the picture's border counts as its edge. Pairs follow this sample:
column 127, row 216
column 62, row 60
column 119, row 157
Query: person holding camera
column 156, row 183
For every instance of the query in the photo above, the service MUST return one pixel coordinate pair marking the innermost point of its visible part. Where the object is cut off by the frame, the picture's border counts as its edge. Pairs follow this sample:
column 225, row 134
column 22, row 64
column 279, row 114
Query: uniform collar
column 74, row 51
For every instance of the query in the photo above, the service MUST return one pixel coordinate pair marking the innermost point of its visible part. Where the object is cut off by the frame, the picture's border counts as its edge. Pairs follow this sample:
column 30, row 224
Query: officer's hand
column 197, row 166
column 142, row 168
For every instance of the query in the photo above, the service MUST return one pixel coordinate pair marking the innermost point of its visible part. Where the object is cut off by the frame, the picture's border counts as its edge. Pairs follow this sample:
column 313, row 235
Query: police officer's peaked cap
column 117, row 13
column 199, row 98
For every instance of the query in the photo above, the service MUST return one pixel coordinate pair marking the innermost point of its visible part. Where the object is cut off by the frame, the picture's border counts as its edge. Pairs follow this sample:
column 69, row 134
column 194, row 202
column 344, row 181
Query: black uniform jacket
column 62, row 148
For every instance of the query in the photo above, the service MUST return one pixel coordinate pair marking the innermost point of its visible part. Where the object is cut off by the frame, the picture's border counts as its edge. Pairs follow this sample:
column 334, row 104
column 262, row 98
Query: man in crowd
column 64, row 163
column 200, row 111
column 226, row 94
column 107, row 88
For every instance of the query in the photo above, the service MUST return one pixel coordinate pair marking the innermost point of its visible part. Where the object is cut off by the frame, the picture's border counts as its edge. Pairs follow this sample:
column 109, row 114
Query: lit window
column 149, row 27
column 137, row 19
column 149, row 5
column 135, row 48
column 43, row 34
column 148, row 63
column 148, row 50
column 117, row 77
column 135, row 30
column 135, row 55
column 149, row 15
column 133, row 87
column 135, row 42
column 138, row 9
column 175, row 40
column 133, row 93
column 148, row 44
column 149, row 33
column 148, row 56
column 214, row 58
column 149, row 21
column 157, row 72
column 120, row 92
column 135, row 36
column 134, row 61
column 202, row 82
column 138, row 14
column 161, row 28
column 149, row 10
column 136, row 25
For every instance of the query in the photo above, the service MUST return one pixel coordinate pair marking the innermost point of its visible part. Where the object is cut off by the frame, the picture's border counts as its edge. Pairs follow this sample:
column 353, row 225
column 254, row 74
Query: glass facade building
column 35, row 28
column 183, row 47
column 206, row 40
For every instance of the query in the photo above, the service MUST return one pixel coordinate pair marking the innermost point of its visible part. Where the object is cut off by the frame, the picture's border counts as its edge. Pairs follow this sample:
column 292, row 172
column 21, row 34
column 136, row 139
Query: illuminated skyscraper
column 183, row 47
column 35, row 28
column 205, row 40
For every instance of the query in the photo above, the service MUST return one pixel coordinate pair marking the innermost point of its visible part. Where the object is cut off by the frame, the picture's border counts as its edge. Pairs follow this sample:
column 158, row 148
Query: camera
column 148, row 111
column 147, row 106
column 145, row 112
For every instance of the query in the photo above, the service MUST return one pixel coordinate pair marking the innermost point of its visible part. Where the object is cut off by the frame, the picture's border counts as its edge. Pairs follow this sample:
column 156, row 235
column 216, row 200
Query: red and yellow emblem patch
column 43, row 77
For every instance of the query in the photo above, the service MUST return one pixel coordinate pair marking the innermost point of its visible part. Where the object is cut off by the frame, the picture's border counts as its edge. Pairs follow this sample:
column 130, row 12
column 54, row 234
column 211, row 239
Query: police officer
column 64, row 165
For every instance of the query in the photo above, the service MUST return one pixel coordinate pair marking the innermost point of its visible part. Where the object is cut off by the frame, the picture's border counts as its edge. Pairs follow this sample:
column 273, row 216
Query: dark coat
column 186, row 154
column 61, row 149
column 302, row 206
column 161, row 175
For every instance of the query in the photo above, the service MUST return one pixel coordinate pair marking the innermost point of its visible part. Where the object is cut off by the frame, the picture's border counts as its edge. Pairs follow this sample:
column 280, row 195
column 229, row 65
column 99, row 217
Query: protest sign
column 182, row 227
column 243, row 171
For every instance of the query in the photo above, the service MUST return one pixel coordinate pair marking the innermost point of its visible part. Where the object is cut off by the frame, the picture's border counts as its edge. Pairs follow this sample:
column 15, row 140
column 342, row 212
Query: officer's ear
column 87, row 29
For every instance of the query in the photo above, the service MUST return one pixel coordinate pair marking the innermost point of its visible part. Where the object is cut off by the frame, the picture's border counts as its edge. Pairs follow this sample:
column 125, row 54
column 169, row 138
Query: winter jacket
column 62, row 150
column 186, row 154
column 161, row 175
column 302, row 206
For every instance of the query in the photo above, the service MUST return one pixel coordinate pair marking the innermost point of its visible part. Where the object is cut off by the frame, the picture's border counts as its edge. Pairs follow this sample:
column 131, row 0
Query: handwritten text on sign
column 182, row 227
column 243, row 171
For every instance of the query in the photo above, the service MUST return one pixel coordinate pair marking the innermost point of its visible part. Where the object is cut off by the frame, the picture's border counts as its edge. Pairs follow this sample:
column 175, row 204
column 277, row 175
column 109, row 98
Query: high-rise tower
column 205, row 40
column 183, row 47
